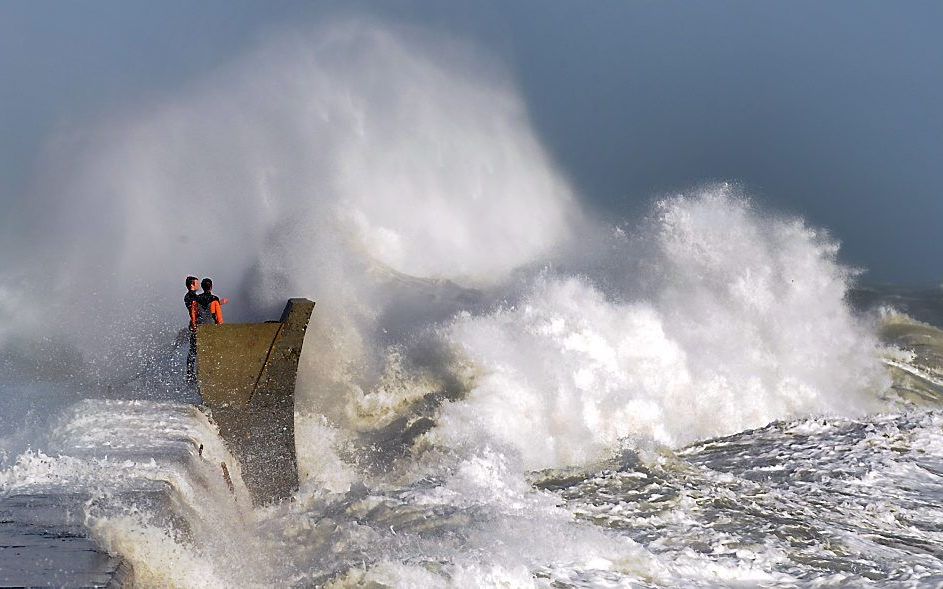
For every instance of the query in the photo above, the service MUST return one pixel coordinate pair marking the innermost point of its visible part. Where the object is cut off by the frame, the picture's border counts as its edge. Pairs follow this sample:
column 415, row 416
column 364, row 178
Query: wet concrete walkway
column 44, row 543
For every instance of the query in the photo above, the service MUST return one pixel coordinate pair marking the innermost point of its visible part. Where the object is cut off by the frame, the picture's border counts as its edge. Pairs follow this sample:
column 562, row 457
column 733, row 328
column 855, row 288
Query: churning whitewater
column 497, row 388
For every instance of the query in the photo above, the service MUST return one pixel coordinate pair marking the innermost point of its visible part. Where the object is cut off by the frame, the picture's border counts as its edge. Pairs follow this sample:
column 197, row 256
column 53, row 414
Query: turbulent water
column 814, row 501
column 578, row 445
column 498, row 388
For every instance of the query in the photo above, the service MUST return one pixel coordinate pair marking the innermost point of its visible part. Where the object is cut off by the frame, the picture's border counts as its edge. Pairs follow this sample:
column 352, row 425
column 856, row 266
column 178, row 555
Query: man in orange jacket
column 206, row 306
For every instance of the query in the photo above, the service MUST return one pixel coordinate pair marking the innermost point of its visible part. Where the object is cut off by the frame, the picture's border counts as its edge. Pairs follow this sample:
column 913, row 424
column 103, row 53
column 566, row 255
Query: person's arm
column 193, row 315
column 217, row 311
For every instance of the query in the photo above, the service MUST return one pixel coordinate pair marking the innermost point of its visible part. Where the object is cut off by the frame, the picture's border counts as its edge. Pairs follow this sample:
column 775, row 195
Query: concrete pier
column 246, row 374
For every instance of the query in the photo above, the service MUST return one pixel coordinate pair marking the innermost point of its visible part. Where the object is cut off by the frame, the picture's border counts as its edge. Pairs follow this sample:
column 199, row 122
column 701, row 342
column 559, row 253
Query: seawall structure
column 246, row 374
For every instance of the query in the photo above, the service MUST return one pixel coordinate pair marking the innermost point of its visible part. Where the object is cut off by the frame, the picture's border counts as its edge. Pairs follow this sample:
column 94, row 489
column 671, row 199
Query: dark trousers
column 191, row 359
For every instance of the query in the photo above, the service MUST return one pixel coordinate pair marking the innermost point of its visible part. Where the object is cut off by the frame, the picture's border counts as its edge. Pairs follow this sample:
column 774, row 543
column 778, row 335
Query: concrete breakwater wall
column 246, row 376
column 120, row 491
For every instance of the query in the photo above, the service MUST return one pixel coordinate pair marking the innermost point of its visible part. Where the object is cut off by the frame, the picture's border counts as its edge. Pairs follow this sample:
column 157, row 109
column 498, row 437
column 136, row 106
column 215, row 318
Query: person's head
column 206, row 284
column 191, row 282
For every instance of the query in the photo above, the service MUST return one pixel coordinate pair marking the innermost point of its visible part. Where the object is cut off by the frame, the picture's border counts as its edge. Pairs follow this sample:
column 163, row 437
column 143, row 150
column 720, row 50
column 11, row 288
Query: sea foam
column 745, row 323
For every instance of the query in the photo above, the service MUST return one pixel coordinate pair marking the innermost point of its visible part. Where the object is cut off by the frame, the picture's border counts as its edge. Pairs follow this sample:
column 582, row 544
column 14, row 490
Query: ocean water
column 500, row 386
column 813, row 501
column 743, row 420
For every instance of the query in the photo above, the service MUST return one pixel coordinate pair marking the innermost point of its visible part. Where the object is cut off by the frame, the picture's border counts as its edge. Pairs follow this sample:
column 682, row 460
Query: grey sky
column 830, row 110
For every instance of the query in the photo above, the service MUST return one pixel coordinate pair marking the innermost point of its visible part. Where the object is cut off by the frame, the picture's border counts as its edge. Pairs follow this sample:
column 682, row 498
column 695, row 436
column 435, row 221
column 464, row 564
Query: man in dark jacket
column 188, row 300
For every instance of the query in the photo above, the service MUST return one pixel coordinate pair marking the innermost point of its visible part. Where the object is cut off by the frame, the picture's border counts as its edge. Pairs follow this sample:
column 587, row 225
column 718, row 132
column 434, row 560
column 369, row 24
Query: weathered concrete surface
column 44, row 543
column 246, row 374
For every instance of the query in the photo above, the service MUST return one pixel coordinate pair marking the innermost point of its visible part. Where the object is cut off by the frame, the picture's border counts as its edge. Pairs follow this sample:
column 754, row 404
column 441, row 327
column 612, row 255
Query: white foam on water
column 319, row 466
column 154, row 491
column 851, row 502
column 475, row 522
column 393, row 175
column 159, row 559
column 745, row 323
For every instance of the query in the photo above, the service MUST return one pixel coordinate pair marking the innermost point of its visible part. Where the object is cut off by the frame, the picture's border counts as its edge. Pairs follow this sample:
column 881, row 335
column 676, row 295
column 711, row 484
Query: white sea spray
column 746, row 324
column 393, row 175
